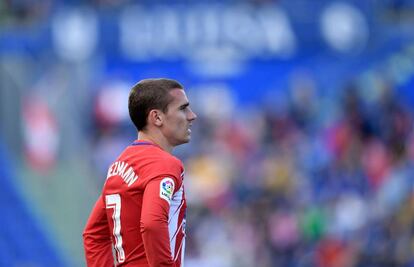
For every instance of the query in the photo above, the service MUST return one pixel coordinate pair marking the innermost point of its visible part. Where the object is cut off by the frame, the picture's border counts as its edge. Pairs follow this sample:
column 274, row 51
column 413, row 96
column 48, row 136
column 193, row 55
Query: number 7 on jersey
column 114, row 202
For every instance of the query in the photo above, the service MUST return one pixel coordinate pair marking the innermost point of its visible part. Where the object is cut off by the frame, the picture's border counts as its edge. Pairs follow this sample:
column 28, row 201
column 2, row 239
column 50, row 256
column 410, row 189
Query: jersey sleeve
column 154, row 220
column 97, row 238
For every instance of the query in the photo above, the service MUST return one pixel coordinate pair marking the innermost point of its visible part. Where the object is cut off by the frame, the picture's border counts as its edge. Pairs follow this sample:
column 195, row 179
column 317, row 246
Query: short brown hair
column 149, row 94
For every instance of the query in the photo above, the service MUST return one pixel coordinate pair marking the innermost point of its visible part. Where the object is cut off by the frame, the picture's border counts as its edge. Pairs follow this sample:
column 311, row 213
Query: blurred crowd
column 314, row 181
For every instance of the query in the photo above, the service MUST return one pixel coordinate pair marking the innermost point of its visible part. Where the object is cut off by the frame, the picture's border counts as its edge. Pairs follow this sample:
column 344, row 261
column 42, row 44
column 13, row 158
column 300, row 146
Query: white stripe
column 178, row 230
column 173, row 214
column 175, row 206
column 182, row 252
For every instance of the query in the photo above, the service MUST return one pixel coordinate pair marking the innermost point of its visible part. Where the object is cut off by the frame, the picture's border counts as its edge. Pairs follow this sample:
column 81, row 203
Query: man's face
column 178, row 119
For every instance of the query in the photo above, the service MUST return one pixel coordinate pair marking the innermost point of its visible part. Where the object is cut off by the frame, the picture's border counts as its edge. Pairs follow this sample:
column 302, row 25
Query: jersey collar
column 143, row 143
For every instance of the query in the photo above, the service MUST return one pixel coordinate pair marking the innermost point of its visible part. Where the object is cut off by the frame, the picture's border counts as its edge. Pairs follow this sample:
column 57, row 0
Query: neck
column 156, row 139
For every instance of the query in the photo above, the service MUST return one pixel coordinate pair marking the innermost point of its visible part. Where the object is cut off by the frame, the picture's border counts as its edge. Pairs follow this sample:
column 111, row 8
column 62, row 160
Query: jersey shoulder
column 137, row 165
column 162, row 163
column 151, row 162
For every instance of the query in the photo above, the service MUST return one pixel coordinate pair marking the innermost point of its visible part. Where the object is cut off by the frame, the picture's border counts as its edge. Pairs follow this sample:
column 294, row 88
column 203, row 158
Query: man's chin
column 187, row 139
column 183, row 141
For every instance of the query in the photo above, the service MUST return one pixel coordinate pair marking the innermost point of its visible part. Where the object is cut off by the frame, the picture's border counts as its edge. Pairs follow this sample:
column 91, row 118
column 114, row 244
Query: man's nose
column 192, row 116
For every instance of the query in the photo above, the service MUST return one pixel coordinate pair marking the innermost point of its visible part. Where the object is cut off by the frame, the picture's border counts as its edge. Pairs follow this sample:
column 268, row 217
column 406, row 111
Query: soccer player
column 141, row 211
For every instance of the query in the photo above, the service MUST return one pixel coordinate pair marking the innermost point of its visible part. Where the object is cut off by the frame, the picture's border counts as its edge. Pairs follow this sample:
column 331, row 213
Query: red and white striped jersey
column 140, row 213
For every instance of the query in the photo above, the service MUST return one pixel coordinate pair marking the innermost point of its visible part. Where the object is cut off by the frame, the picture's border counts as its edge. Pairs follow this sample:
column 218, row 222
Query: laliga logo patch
column 167, row 189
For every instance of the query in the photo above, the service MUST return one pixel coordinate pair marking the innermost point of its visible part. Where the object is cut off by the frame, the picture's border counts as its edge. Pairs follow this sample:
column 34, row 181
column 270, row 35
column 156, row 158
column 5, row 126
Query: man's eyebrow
column 185, row 105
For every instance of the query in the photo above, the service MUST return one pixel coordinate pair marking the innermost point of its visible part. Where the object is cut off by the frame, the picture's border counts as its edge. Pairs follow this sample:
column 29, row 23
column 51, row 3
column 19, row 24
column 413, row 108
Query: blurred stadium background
column 304, row 147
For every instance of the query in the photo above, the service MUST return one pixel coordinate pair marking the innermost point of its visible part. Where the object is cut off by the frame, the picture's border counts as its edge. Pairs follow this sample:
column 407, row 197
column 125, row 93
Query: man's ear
column 155, row 117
